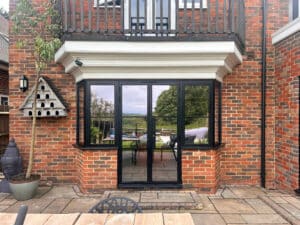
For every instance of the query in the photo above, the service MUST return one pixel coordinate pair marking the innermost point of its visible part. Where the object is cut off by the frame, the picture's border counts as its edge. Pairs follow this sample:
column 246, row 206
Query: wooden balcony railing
column 153, row 19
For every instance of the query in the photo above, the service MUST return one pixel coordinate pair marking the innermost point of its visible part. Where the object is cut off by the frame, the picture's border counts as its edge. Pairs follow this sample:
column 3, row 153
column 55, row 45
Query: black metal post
column 263, row 97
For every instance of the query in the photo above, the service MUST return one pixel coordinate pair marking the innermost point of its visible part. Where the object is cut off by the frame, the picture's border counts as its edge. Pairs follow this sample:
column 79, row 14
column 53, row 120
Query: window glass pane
column 134, row 133
column 108, row 2
column 102, row 122
column 80, row 135
column 196, row 114
column 4, row 101
column 164, row 121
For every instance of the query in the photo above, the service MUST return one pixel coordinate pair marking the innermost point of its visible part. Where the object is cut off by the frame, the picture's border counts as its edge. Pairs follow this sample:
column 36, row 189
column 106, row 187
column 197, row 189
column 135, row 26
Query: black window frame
column 211, row 83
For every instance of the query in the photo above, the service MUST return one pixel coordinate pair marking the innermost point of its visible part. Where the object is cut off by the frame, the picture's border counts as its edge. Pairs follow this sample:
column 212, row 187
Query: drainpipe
column 263, row 96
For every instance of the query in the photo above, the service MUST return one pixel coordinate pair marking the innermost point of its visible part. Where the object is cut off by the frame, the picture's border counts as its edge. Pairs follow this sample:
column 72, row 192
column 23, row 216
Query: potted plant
column 42, row 29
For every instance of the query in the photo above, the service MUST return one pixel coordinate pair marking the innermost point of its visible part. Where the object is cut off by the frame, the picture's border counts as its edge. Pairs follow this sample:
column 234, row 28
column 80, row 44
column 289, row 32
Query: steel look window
column 99, row 112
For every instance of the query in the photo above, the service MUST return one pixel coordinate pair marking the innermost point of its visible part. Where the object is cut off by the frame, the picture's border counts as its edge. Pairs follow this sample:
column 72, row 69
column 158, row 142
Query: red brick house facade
column 223, row 58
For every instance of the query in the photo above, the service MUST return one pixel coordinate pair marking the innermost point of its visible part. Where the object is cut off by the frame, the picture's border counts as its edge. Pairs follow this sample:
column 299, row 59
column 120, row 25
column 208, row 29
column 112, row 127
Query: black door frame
column 150, row 132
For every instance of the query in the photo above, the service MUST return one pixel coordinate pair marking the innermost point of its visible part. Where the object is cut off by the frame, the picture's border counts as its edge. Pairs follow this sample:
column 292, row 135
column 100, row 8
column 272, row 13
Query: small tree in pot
column 42, row 30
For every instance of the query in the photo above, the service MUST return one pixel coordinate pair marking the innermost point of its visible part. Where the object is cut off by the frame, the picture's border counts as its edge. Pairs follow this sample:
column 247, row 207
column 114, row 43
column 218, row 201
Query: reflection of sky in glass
column 134, row 99
column 105, row 92
column 134, row 96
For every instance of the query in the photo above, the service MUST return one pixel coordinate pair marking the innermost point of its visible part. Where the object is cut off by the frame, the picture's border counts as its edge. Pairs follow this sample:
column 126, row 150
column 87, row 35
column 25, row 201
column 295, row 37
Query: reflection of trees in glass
column 166, row 105
column 102, row 118
column 196, row 104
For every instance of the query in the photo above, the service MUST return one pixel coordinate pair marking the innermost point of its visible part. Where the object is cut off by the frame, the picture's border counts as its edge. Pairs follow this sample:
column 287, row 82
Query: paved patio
column 230, row 205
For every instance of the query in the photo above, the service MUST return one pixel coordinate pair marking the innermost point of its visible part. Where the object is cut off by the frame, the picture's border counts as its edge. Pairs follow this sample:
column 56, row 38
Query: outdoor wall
column 200, row 169
column 241, row 156
column 287, row 111
column 55, row 156
column 238, row 162
column 97, row 170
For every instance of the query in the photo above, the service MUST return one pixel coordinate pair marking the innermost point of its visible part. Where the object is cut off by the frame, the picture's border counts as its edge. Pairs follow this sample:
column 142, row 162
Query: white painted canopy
column 149, row 60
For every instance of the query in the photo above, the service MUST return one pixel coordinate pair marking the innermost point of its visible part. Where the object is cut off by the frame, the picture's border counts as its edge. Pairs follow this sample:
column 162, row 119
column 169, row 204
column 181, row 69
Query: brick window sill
column 203, row 148
column 95, row 148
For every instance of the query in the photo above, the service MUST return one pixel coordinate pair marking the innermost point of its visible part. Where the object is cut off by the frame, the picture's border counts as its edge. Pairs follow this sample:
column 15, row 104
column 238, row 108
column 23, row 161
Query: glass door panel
column 164, row 123
column 134, row 133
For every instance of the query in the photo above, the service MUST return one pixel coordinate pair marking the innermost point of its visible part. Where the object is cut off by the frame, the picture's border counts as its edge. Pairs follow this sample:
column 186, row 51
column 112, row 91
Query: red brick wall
column 55, row 156
column 236, row 163
column 240, row 158
column 200, row 170
column 97, row 170
column 287, row 112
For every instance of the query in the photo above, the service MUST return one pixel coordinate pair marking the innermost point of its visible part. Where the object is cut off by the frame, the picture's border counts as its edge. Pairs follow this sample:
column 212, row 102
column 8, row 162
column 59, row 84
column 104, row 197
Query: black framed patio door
column 148, row 154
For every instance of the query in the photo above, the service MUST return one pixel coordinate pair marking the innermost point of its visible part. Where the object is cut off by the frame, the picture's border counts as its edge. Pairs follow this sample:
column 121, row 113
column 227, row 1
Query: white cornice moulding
column 286, row 31
column 149, row 60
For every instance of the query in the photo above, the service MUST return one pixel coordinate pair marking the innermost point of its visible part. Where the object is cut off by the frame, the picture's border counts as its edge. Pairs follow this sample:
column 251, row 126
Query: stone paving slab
column 81, row 205
column 247, row 192
column 259, row 206
column 3, row 196
column 291, row 209
column 134, row 196
column 294, row 201
column 208, row 207
column 264, row 218
column 232, row 206
column 34, row 205
column 57, row 205
column 281, row 211
column 64, row 191
column 208, row 219
column 233, row 218
column 227, row 193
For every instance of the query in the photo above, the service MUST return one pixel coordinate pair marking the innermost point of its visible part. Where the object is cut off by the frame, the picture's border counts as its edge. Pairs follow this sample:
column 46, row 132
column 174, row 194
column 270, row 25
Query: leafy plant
column 42, row 30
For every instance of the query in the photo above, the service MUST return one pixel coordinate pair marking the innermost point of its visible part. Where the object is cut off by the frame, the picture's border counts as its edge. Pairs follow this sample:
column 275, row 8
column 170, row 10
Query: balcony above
column 154, row 20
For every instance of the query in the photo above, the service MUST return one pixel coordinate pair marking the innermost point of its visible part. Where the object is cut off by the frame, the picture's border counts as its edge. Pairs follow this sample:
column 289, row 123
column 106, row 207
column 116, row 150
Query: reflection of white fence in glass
column 197, row 134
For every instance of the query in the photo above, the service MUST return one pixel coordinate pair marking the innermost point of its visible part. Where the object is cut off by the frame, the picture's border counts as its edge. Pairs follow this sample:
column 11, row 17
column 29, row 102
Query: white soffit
column 148, row 60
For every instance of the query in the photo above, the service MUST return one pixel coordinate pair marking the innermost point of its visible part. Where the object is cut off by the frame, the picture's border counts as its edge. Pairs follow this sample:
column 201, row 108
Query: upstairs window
column 295, row 9
column 190, row 3
column 3, row 100
column 107, row 3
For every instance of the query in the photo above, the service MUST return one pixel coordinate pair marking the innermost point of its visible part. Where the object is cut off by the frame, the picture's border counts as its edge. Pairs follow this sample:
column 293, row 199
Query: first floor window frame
column 86, row 101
